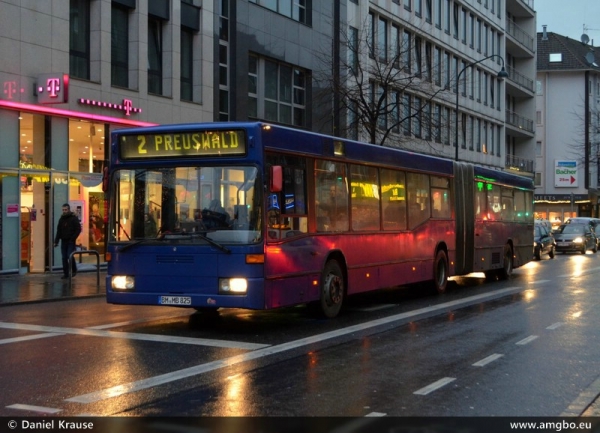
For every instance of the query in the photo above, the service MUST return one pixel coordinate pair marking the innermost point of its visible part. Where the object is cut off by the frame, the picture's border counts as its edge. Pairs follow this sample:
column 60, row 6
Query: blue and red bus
column 259, row 216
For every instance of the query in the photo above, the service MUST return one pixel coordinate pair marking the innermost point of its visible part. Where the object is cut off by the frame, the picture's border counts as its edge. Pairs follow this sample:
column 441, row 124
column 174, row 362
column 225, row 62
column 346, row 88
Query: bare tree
column 386, row 91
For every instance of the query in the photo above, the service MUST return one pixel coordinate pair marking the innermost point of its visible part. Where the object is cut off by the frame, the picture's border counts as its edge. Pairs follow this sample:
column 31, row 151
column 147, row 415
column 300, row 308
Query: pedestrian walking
column 67, row 231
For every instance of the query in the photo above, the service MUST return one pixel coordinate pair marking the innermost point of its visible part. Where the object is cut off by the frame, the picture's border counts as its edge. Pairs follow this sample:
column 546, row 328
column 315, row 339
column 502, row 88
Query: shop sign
column 12, row 210
column 89, row 180
column 126, row 106
column 565, row 174
column 52, row 88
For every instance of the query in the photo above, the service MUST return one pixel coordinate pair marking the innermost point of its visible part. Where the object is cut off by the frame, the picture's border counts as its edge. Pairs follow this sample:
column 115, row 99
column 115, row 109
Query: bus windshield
column 187, row 205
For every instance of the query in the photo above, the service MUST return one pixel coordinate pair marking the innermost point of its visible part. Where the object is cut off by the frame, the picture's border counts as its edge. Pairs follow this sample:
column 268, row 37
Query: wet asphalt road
column 523, row 347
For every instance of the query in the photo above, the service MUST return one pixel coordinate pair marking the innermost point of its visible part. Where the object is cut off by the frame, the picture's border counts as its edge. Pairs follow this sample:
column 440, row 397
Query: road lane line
column 435, row 386
column 527, row 340
column 375, row 414
column 40, row 409
column 134, row 336
column 29, row 337
column 555, row 325
column 370, row 309
column 142, row 320
column 150, row 382
column 486, row 361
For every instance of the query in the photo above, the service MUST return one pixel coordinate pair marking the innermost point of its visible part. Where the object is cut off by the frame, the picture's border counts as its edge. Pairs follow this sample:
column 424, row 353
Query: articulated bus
column 259, row 216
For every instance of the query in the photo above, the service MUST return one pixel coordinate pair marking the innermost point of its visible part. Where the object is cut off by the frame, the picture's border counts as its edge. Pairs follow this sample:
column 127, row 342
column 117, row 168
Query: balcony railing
column 520, row 122
column 520, row 164
column 519, row 34
column 519, row 78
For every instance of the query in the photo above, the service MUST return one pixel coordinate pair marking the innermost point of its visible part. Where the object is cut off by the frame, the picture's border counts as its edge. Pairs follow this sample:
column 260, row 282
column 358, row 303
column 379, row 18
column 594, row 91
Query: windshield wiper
column 184, row 235
column 137, row 242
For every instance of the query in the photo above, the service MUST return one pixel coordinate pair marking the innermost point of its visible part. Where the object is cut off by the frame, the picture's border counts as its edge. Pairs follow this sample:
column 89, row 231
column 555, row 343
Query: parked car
column 575, row 238
column 543, row 241
column 593, row 222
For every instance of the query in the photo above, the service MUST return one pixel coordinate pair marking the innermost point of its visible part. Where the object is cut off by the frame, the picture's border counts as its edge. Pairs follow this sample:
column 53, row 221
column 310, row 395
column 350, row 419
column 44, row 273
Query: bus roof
column 321, row 145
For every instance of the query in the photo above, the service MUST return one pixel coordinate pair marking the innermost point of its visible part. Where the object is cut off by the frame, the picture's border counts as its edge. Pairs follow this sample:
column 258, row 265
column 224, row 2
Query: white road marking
column 150, row 382
column 527, row 340
column 40, row 409
column 142, row 320
column 134, row 336
column 555, row 325
column 375, row 414
column 435, row 386
column 486, row 361
column 28, row 337
column 375, row 308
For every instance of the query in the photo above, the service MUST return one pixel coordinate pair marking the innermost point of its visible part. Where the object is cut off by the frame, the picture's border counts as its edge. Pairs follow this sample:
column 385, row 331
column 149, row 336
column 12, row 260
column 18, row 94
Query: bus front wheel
column 332, row 289
column 440, row 272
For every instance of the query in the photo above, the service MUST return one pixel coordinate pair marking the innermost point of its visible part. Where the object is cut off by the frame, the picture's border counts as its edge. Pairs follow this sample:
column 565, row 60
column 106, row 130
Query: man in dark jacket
column 67, row 231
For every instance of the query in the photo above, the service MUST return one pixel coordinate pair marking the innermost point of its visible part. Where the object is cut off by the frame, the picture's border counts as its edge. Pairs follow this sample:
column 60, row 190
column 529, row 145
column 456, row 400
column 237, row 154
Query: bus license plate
column 175, row 300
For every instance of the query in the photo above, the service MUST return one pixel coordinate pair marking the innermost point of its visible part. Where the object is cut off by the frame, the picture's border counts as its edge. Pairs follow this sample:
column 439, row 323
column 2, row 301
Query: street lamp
column 501, row 74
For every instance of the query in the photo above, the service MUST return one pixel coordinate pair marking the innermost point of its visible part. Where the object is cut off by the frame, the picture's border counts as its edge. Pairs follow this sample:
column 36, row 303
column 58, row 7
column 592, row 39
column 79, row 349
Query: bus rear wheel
column 332, row 289
column 440, row 272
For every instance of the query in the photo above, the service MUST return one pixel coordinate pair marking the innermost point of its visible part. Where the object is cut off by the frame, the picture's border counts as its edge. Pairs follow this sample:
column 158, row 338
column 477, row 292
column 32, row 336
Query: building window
column 428, row 10
column 353, row 50
column 406, row 101
column 538, row 179
column 538, row 148
column 187, row 65
column 418, row 55
column 277, row 91
column 438, row 14
column 190, row 26
column 538, row 117
column 155, row 55
column 406, row 50
column 223, row 9
column 448, row 12
column 298, row 10
column 382, row 40
column 119, row 60
column 79, row 39
column 418, row 117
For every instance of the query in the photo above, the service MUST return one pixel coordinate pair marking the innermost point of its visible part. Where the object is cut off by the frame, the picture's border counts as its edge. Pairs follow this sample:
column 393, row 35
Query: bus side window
column 393, row 192
column 418, row 198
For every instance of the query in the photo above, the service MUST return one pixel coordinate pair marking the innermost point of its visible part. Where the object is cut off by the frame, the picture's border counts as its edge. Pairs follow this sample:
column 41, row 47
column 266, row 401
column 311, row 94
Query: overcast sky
column 567, row 18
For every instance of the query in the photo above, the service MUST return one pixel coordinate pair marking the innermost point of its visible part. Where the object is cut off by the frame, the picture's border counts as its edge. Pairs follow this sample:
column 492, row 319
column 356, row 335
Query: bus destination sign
column 176, row 144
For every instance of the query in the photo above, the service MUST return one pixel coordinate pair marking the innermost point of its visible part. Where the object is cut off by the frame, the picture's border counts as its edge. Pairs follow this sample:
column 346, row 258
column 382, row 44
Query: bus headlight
column 233, row 286
column 122, row 282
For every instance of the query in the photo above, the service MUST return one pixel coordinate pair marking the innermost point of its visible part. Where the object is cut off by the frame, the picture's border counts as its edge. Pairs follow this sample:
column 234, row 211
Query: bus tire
column 507, row 263
column 440, row 272
column 332, row 289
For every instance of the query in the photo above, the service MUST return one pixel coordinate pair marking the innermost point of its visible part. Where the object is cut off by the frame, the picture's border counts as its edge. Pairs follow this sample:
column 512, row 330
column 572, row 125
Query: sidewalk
column 17, row 288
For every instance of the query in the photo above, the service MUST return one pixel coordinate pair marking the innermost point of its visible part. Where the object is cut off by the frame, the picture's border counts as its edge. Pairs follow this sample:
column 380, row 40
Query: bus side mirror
column 276, row 178
column 105, row 179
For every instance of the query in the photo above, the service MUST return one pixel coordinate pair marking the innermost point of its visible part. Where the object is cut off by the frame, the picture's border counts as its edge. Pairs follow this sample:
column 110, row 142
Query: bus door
column 465, row 218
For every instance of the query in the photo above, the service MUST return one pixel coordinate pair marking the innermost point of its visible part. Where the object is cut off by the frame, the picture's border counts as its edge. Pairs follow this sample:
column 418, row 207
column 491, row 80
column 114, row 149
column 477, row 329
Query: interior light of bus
column 233, row 285
column 122, row 282
column 414, row 269
column 338, row 148
column 255, row 258
column 368, row 275
column 315, row 282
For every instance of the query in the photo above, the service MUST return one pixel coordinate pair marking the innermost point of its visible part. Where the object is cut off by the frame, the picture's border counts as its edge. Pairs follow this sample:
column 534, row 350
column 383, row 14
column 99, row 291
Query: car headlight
column 578, row 240
column 122, row 282
column 233, row 286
